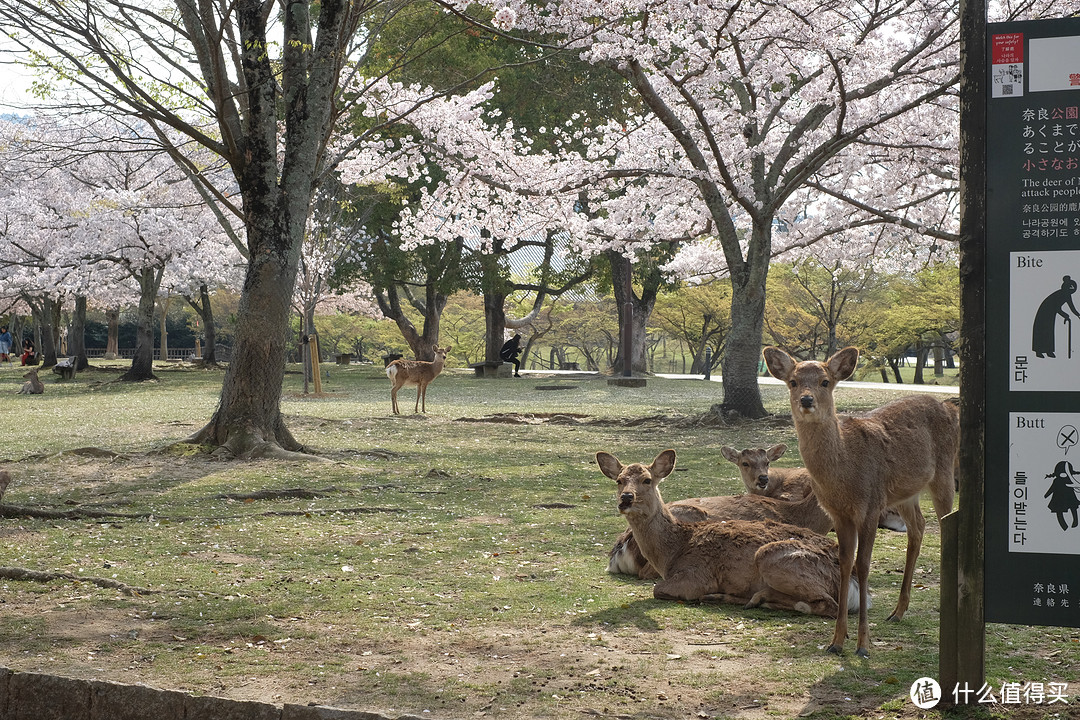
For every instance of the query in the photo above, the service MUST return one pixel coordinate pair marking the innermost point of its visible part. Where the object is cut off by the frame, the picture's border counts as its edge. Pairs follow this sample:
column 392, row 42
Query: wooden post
column 962, row 658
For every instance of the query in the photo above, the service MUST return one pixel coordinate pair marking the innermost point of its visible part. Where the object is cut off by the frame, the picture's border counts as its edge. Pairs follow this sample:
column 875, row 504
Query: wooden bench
column 65, row 368
column 492, row 369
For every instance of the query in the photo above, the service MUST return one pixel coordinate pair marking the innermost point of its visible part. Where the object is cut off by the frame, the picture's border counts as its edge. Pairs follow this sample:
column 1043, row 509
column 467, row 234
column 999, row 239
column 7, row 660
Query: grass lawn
column 452, row 562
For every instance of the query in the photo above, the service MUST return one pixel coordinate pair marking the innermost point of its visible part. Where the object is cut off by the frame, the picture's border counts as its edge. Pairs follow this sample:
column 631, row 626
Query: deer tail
column 853, row 596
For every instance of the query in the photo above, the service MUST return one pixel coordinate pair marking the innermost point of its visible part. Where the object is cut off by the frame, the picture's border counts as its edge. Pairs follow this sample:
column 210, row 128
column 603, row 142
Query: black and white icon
column 1044, row 330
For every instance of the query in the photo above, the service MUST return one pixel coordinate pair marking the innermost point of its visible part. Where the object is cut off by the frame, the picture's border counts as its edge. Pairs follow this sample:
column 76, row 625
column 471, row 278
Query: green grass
column 440, row 563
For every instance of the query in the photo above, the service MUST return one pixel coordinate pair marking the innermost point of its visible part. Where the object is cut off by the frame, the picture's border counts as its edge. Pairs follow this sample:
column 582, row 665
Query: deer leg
column 393, row 399
column 684, row 585
column 867, row 535
column 916, row 524
column 423, row 398
column 846, row 536
column 796, row 579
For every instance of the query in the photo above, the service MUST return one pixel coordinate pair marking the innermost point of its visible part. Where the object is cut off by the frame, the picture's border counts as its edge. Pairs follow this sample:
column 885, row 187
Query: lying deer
column 626, row 556
column 407, row 373
column 861, row 465
column 786, row 483
column 755, row 564
column 32, row 386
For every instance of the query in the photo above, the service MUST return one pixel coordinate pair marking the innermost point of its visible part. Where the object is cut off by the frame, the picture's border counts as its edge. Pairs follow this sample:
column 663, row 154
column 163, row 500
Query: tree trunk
column 77, row 338
column 142, row 363
column 494, row 324
column 205, row 312
column 112, row 345
column 163, row 354
column 895, row 365
column 42, row 310
column 641, row 309
column 921, row 353
column 248, row 421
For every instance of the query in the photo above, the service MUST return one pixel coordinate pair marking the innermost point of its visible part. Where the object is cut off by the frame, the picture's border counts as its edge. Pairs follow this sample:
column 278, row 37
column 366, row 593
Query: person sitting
column 510, row 351
column 28, row 352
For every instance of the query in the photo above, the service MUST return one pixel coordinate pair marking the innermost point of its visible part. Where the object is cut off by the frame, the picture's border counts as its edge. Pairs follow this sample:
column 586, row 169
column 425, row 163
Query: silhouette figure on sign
column 1062, row 493
column 1042, row 332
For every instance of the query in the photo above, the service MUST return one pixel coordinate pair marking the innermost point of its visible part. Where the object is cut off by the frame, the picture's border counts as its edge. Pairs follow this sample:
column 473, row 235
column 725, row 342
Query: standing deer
column 786, row 483
column 32, row 386
column 407, row 373
column 752, row 563
column 861, row 465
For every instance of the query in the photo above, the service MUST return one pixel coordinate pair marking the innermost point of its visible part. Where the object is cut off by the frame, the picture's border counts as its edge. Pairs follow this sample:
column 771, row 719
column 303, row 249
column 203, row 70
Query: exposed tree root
column 94, row 452
column 20, row 511
column 16, row 573
column 300, row 493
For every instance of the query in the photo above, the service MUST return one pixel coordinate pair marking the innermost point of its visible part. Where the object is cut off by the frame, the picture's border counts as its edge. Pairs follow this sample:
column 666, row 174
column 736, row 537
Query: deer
column 760, row 478
column 5, row 480
column 755, row 564
column 626, row 557
column 407, row 373
column 33, row 385
column 861, row 465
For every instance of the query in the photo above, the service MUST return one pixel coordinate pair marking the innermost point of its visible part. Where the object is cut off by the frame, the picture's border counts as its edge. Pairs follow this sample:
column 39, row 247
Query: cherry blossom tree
column 766, row 128
column 257, row 84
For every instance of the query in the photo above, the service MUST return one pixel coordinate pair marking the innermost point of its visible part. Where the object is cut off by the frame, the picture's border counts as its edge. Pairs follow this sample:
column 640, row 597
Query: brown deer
column 626, row 557
column 755, row 564
column 861, row 465
column 5, row 480
column 760, row 478
column 786, row 483
column 32, row 386
column 407, row 373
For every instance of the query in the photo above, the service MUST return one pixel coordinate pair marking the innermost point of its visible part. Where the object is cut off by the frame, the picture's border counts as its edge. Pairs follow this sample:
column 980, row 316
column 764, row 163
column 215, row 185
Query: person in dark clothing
column 28, row 351
column 1062, row 493
column 1042, row 330
column 510, row 351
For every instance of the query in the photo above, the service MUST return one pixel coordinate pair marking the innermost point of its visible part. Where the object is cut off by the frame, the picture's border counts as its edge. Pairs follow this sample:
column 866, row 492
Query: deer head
column 753, row 464
column 811, row 383
column 637, row 485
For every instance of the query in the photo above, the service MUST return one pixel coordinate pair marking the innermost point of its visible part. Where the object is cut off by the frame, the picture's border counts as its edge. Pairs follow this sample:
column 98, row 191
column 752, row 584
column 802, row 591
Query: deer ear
column 609, row 464
column 730, row 453
column 780, row 364
column 843, row 363
column 663, row 464
column 775, row 452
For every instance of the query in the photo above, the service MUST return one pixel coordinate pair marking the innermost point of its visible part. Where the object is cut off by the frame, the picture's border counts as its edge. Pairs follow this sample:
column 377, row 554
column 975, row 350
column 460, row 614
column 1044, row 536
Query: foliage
column 813, row 310
column 698, row 316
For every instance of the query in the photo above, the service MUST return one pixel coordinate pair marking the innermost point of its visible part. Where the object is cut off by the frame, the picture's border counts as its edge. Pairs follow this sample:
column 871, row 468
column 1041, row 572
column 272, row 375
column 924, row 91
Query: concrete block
column 32, row 696
column 5, row 675
column 113, row 701
column 320, row 712
column 211, row 708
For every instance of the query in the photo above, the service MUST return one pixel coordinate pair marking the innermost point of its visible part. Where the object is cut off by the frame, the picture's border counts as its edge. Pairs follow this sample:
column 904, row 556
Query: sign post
column 1032, row 271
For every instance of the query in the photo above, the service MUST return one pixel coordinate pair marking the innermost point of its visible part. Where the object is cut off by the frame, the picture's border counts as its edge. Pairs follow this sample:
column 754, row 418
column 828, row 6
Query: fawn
column 406, row 373
column 33, row 385
column 755, row 564
column 786, row 483
column 861, row 465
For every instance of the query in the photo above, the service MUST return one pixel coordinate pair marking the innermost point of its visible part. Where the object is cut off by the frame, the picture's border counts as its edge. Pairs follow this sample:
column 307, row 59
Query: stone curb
column 35, row 696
